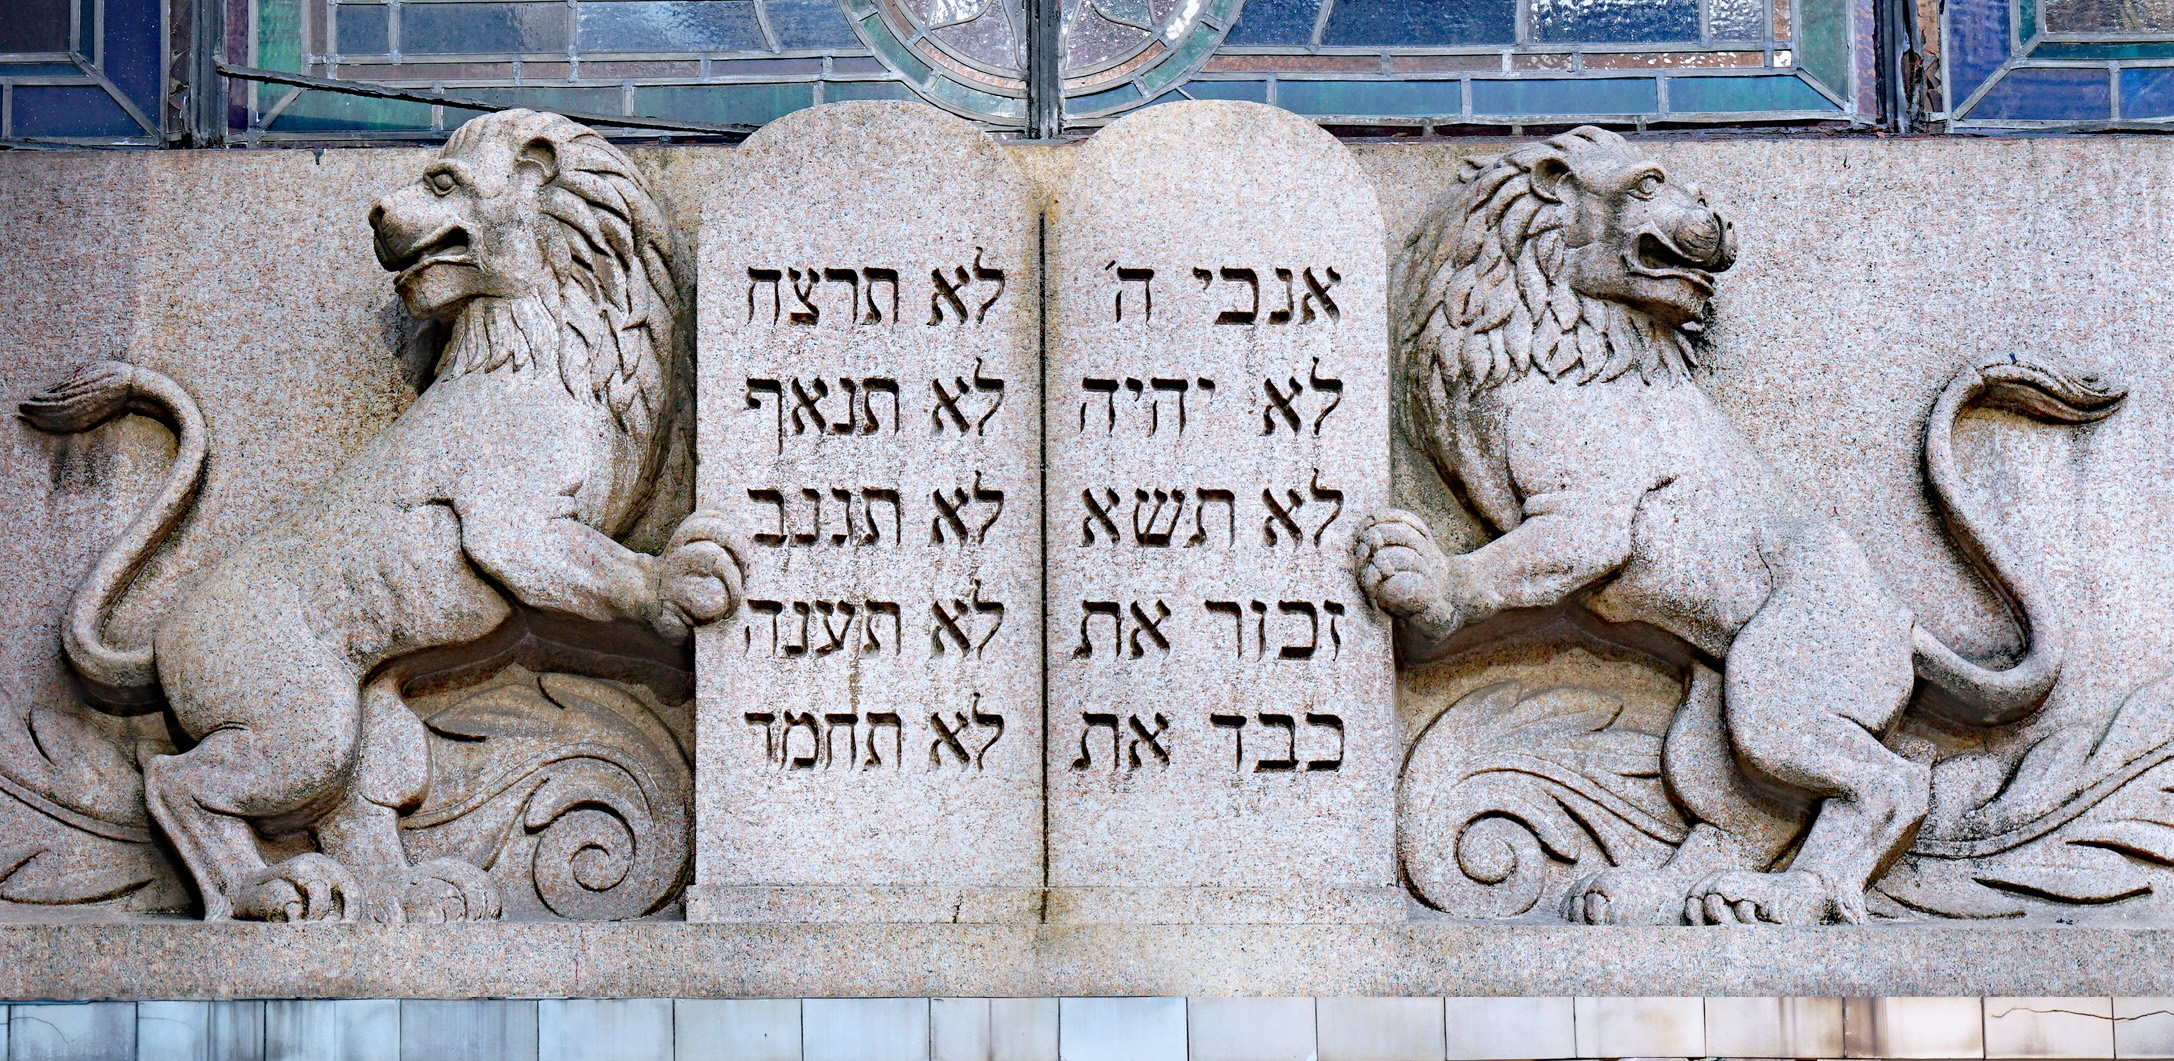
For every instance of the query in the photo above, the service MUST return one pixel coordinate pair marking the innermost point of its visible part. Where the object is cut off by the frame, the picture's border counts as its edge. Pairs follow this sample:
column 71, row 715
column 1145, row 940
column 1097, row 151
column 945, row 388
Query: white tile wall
column 344, row 1030
column 864, row 1029
column 2049, row 1027
column 736, row 1029
column 82, row 1031
column 2143, row 1027
column 1914, row 1027
column 1250, row 1029
column 1121, row 1029
column 1380, row 1029
column 619, row 1029
column 1641, row 1027
column 1774, row 1027
column 1499, row 1029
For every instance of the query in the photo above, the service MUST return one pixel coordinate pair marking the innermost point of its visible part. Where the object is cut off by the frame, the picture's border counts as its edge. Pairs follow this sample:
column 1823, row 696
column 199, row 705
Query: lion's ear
column 542, row 154
column 1547, row 176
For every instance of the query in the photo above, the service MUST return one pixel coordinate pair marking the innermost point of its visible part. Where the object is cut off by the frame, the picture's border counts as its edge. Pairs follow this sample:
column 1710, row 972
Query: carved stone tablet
column 1220, row 695
column 869, row 722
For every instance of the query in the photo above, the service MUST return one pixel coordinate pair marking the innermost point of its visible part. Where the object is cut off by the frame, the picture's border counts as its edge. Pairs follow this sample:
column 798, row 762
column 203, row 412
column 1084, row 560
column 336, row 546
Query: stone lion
column 1547, row 311
column 520, row 476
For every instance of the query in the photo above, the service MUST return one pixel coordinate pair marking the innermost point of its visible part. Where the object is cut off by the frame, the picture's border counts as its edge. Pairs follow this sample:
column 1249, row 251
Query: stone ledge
column 176, row 959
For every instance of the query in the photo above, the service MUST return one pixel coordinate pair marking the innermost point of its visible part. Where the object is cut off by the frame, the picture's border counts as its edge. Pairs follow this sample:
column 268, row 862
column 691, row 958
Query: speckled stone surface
column 869, row 724
column 1221, row 742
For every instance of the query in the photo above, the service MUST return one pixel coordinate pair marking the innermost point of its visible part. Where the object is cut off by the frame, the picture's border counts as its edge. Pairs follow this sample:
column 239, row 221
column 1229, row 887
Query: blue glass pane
column 809, row 24
column 1384, row 99
column 363, row 29
column 2107, row 16
column 132, row 49
column 34, row 26
column 746, row 104
column 1095, row 101
column 591, row 100
column 2131, row 50
column 1250, row 91
column 70, row 111
column 1977, row 43
column 1613, row 21
column 39, row 70
column 1399, row 22
column 1566, row 96
column 840, row 91
column 2047, row 95
column 329, row 112
column 1734, row 95
column 670, row 26
column 1276, row 22
column 1737, row 20
column 463, row 28
column 2147, row 93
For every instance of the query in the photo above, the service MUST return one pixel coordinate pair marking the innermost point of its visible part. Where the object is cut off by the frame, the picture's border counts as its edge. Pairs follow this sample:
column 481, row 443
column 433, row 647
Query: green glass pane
column 279, row 34
column 1252, row 91
column 746, row 104
column 1180, row 61
column 840, row 91
column 2132, row 50
column 1823, row 42
column 1096, row 102
column 1371, row 99
column 338, row 112
column 1737, row 95
column 1566, row 96
column 976, row 101
column 894, row 51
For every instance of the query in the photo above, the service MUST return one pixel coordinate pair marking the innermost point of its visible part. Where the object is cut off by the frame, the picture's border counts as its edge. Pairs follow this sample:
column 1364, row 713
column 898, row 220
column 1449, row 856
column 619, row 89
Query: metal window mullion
column 1045, row 70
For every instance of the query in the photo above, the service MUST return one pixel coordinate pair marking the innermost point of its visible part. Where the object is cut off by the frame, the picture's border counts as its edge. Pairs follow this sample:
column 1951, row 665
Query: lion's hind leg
column 1814, row 681
column 392, row 776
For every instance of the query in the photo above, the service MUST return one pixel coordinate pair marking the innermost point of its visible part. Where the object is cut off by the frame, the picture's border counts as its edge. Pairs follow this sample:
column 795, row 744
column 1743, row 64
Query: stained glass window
column 81, row 71
column 411, row 69
column 2021, row 64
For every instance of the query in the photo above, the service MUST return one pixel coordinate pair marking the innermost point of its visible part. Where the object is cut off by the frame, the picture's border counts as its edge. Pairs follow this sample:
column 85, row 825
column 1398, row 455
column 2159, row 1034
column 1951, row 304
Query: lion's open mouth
column 449, row 244
column 1655, row 255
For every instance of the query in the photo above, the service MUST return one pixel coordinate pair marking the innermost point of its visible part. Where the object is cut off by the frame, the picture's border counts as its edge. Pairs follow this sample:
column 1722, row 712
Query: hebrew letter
column 810, row 406
column 948, row 623
column 1108, row 389
column 988, row 608
column 1206, row 496
column 1313, row 629
column 874, row 275
column 947, row 736
column 763, row 276
column 771, row 608
column 947, row 512
column 811, row 314
column 875, row 644
column 1336, row 641
column 870, row 386
column 871, row 496
column 1282, row 316
column 898, row 737
column 770, row 497
column 946, row 294
column 1145, row 278
column 852, row 747
column 815, row 741
column 1322, row 493
column 1176, row 386
column 852, row 278
column 1141, row 735
column 1279, row 402
column 1141, row 624
column 988, row 721
column 947, row 402
column 756, row 388
column 1324, row 385
column 1279, row 514
column 1148, row 536
column 1241, row 316
column 987, row 385
column 834, row 636
column 768, row 722
column 1088, row 610
column 1093, row 719
column 1260, row 628
column 1289, row 762
column 1236, row 724
column 1237, row 621
column 987, row 275
column 790, row 650
column 814, row 533
column 1315, row 289
column 844, row 497
column 1327, row 722
column 1098, row 512
column 987, row 497
column 851, row 425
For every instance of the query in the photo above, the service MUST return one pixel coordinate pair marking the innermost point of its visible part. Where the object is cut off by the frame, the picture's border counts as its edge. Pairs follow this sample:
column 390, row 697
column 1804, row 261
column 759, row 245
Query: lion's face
column 1634, row 236
column 468, row 227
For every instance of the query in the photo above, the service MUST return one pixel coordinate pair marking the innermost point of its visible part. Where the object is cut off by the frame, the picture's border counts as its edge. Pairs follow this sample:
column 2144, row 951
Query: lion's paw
column 446, row 889
column 307, row 887
column 700, row 577
column 1792, row 897
column 1404, row 572
column 1626, row 896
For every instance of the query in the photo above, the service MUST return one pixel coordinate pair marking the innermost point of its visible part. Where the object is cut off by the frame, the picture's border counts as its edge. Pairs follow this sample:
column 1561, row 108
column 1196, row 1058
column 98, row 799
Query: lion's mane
column 1481, row 299
column 609, row 325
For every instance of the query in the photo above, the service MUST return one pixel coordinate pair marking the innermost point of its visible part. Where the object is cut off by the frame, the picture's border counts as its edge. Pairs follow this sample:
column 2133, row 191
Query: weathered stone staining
column 870, row 726
column 1221, row 745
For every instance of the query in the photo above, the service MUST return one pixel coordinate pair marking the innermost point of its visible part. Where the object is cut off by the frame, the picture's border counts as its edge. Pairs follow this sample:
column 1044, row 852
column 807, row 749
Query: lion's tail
column 1966, row 692
column 124, row 677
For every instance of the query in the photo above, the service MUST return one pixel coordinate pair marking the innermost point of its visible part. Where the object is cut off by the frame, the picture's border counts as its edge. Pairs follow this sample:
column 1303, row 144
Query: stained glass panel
column 81, row 71
column 2051, row 64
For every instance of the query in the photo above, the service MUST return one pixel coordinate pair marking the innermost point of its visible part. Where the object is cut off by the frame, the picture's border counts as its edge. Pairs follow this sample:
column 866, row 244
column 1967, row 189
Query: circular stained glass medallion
column 970, row 56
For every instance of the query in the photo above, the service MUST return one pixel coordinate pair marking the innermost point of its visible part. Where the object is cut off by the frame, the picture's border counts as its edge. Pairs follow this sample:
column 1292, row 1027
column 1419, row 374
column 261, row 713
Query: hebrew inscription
column 869, row 404
column 1219, row 692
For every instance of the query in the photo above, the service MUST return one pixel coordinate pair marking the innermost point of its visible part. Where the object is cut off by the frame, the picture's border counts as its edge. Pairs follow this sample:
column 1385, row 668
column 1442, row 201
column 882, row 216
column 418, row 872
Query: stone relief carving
column 1548, row 311
column 513, row 502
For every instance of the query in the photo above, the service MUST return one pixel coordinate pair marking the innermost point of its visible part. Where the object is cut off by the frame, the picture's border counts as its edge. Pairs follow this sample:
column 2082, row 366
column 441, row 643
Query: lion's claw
column 1625, row 896
column 700, row 576
column 1791, row 897
column 1400, row 567
column 446, row 889
column 308, row 887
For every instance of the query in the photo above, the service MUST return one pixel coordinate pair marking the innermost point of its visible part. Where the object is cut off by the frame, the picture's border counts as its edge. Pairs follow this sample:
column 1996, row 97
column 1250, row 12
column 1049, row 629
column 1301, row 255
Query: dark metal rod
column 357, row 88
column 1045, row 69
